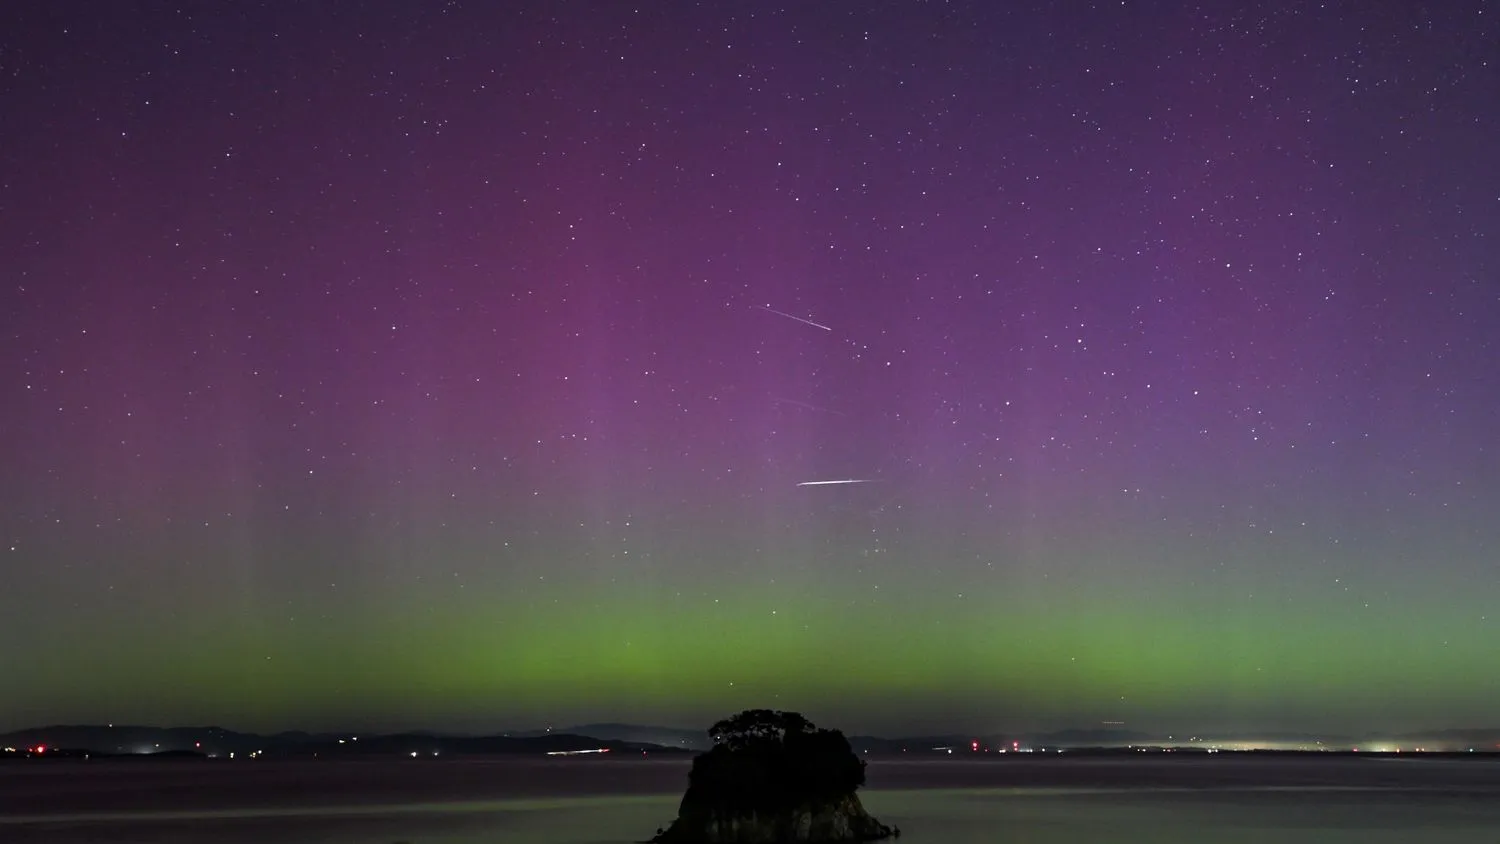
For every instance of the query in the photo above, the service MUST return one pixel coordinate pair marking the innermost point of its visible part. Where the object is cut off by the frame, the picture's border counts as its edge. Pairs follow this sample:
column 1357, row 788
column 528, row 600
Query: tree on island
column 773, row 777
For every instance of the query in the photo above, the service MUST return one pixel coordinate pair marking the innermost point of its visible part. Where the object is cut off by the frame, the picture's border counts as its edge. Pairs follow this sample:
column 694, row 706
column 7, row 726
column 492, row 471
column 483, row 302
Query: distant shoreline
column 59, row 755
column 76, row 787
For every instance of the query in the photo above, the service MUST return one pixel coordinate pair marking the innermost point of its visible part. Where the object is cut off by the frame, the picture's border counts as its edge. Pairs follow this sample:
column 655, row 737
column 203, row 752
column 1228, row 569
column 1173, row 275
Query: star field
column 461, row 365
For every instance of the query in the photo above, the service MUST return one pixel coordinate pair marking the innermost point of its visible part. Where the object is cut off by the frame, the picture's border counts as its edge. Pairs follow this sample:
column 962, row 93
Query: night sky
column 465, row 365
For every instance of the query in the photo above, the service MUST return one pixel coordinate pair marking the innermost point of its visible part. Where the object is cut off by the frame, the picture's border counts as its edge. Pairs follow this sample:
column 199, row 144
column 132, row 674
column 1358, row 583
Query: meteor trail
column 807, row 406
column 845, row 481
column 797, row 318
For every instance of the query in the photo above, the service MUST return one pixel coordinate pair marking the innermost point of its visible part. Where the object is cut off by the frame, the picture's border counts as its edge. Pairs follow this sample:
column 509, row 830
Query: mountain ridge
column 632, row 738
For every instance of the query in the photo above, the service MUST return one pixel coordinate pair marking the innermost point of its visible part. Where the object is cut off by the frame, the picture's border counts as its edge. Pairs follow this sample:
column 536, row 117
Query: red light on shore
column 41, row 748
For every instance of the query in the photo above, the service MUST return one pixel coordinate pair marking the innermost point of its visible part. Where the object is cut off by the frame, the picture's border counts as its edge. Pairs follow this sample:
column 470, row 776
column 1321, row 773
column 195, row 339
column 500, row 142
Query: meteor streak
column 844, row 481
column 797, row 318
column 807, row 406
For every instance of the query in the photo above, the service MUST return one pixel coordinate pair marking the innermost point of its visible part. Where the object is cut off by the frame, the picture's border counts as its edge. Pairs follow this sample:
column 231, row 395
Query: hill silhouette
column 215, row 742
column 773, row 777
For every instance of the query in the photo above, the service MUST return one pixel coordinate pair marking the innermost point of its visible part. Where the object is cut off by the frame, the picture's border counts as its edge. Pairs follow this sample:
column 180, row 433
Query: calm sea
column 474, row 801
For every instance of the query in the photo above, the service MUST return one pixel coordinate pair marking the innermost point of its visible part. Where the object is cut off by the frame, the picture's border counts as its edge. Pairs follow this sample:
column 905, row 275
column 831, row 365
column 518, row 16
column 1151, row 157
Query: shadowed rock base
column 826, row 822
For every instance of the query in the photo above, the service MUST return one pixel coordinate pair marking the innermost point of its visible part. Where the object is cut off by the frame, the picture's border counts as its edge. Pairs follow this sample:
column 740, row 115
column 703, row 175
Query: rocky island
column 774, row 778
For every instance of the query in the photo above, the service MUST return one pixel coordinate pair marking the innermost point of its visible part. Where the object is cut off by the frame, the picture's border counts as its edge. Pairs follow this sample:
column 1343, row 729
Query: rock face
column 774, row 778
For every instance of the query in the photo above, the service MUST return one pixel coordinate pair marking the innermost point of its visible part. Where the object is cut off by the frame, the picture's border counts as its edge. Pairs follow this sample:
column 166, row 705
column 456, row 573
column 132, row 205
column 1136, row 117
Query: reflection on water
column 545, row 821
column 1325, row 803
column 926, row 817
column 1181, row 816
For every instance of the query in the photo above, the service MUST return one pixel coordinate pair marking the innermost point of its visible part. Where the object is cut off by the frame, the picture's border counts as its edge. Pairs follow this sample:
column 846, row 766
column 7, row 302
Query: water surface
column 474, row 801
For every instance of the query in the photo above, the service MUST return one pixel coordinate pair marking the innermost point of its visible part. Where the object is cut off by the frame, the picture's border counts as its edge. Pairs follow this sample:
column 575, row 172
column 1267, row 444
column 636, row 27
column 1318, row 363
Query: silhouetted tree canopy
column 755, row 725
column 774, row 777
column 767, row 761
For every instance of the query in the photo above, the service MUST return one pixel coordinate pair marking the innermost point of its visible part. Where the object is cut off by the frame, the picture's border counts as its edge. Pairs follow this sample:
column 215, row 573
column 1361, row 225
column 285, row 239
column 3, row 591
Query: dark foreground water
column 1217, row 799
